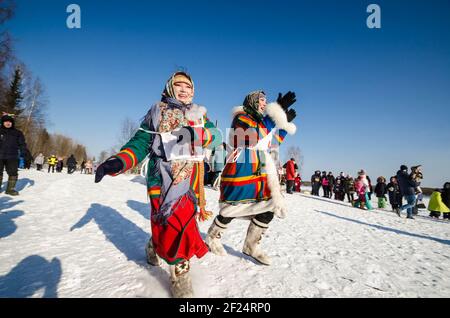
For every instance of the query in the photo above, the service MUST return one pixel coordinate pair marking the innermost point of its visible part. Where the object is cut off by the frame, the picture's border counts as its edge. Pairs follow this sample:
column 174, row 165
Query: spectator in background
column 60, row 164
column 71, row 164
column 349, row 187
column 395, row 196
column 291, row 171
column 298, row 183
column 315, row 183
column 52, row 161
column 437, row 204
column 408, row 190
column 380, row 191
column 325, row 185
column 83, row 166
column 12, row 141
column 39, row 162
column 89, row 167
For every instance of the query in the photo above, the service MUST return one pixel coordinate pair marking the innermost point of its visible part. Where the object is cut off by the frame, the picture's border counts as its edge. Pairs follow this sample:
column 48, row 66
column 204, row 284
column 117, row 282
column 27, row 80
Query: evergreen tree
column 14, row 96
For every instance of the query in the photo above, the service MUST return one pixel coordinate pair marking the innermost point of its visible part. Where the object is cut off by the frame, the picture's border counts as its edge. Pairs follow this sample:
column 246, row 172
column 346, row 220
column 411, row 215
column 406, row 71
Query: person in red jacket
column 298, row 183
column 291, row 170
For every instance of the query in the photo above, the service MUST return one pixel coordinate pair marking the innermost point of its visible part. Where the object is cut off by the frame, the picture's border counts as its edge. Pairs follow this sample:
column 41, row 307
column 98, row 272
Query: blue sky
column 372, row 99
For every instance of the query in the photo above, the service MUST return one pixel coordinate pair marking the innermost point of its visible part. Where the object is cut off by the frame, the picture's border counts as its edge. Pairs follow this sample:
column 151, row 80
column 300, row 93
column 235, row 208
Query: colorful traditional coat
column 173, row 186
column 249, row 183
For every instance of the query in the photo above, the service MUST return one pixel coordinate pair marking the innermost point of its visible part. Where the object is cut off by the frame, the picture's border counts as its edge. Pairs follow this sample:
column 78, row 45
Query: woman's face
column 262, row 104
column 183, row 92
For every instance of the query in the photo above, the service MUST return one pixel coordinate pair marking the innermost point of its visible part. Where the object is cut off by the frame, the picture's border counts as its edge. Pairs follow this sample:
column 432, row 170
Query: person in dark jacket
column 395, row 197
column 349, row 186
column 28, row 159
column 408, row 191
column 315, row 183
column 60, row 164
column 380, row 191
column 11, row 142
column 339, row 190
column 71, row 164
column 446, row 199
column 331, row 182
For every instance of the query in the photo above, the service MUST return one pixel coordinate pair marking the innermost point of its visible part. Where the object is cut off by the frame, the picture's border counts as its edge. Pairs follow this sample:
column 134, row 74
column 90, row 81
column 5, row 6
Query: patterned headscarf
column 169, row 91
column 251, row 104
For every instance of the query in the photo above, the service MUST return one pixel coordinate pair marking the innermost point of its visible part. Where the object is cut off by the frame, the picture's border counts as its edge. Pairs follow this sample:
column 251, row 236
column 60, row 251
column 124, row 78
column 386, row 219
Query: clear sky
column 368, row 98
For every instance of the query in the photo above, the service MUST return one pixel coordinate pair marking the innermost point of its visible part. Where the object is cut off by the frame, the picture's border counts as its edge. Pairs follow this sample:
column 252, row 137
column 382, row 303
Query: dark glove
column 184, row 135
column 291, row 114
column 110, row 166
column 287, row 100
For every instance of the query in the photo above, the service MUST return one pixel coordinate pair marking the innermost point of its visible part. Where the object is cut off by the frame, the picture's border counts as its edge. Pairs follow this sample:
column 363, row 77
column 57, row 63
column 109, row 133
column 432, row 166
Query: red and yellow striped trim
column 128, row 158
column 154, row 192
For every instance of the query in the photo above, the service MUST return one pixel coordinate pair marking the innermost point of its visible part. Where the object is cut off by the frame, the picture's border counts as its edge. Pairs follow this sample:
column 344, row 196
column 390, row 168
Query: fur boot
column 152, row 257
column 213, row 238
column 252, row 242
column 181, row 284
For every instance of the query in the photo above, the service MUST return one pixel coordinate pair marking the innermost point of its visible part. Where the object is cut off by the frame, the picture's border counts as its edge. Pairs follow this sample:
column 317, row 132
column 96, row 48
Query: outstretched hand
column 287, row 100
column 110, row 166
column 291, row 114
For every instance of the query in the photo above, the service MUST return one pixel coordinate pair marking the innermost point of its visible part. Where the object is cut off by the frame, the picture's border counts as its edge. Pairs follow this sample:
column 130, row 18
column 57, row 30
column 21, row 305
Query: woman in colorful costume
column 172, row 136
column 250, row 185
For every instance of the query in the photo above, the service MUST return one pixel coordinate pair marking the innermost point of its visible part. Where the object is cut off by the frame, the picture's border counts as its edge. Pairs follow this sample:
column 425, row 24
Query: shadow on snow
column 126, row 236
column 30, row 275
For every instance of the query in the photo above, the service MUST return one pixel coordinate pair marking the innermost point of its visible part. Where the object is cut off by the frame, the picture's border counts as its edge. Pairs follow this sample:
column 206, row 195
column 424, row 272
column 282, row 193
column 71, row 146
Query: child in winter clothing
column 380, row 191
column 395, row 197
column 437, row 204
column 360, row 189
column 298, row 183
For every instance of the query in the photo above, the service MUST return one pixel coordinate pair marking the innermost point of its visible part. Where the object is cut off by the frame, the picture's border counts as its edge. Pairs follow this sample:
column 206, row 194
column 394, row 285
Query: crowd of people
column 359, row 190
column 56, row 163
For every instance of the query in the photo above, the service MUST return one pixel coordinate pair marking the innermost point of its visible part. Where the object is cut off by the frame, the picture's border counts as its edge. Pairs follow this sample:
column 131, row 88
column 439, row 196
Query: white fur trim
column 195, row 113
column 236, row 110
column 277, row 114
column 274, row 186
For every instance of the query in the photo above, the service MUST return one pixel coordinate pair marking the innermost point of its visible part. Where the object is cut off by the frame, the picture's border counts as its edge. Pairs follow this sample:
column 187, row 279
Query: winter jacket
column 349, row 185
column 360, row 187
column 244, row 180
column 406, row 184
column 290, row 167
column 325, row 181
column 339, row 187
column 39, row 159
column 331, row 180
column 71, row 162
column 11, row 142
column 52, row 161
column 395, row 197
column 446, row 195
column 315, row 179
column 436, row 203
column 381, row 190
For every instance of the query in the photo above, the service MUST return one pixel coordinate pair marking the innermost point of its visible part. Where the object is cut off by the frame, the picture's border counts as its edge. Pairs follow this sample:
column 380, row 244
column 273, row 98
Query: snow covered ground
column 66, row 236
